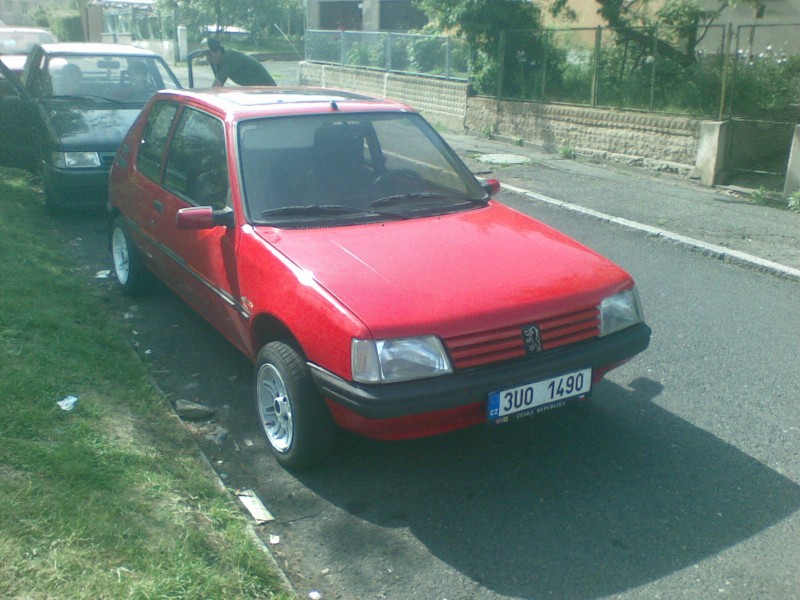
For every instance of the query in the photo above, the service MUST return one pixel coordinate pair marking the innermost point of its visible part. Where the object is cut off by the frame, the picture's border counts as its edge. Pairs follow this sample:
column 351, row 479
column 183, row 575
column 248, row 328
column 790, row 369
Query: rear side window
column 197, row 167
column 154, row 140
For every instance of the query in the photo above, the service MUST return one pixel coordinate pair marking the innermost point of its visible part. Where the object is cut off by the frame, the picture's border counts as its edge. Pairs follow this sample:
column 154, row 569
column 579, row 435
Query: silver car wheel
column 120, row 255
column 274, row 408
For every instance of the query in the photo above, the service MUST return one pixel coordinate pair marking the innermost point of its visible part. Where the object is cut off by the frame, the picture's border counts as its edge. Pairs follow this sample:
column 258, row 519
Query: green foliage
column 794, row 202
column 426, row 54
column 367, row 54
column 259, row 17
column 480, row 23
column 41, row 18
column 109, row 500
column 760, row 196
column 67, row 27
column 766, row 86
column 327, row 48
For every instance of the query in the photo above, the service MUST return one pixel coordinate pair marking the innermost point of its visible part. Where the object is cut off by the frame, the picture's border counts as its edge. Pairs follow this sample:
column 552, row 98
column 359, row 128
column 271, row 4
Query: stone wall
column 659, row 142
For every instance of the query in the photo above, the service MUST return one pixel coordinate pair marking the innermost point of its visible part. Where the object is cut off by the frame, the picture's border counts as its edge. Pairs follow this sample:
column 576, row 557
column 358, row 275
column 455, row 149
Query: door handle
column 159, row 206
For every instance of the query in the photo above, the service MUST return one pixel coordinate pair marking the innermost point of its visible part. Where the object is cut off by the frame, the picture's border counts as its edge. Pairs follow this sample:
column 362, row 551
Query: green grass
column 112, row 499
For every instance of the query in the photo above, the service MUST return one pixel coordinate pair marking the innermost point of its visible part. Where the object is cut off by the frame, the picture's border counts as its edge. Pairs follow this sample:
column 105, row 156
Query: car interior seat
column 340, row 169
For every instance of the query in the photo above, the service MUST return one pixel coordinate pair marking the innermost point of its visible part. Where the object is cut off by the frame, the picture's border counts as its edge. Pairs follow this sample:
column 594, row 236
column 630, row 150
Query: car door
column 137, row 188
column 18, row 117
column 196, row 174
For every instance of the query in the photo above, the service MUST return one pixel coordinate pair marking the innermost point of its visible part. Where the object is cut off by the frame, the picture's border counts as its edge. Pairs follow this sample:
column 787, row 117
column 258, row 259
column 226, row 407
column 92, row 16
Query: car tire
column 293, row 417
column 129, row 269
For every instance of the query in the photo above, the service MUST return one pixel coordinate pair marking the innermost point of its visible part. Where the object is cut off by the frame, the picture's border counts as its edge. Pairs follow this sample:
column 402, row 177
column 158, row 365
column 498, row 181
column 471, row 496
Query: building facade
column 363, row 15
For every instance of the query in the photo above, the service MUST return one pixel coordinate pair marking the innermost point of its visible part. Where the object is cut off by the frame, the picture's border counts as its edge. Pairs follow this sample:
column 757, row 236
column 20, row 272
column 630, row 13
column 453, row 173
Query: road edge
column 708, row 249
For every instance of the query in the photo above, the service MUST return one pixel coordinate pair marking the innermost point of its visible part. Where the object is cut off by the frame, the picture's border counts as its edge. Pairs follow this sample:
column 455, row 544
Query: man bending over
column 237, row 66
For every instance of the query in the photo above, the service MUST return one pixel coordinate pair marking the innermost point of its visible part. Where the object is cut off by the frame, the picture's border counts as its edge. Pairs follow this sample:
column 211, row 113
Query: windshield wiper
column 315, row 210
column 312, row 210
column 407, row 198
column 93, row 98
column 420, row 198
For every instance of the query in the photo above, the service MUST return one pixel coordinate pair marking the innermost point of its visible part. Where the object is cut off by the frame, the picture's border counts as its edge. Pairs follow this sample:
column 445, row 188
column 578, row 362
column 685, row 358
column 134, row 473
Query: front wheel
column 131, row 273
column 292, row 415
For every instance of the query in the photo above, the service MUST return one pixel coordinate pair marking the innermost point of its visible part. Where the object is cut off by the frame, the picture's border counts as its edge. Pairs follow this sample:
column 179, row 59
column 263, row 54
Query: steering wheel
column 397, row 181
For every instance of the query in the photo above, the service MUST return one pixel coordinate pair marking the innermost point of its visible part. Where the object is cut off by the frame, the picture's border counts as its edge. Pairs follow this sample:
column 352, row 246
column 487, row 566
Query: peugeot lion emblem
column 533, row 338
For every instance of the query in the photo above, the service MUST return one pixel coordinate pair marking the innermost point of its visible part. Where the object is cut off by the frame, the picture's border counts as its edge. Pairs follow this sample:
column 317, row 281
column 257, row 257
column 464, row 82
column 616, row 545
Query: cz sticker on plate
column 528, row 399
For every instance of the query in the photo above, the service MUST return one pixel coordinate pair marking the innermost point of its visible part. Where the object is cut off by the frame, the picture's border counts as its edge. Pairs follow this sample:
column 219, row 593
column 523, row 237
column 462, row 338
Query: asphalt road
column 679, row 479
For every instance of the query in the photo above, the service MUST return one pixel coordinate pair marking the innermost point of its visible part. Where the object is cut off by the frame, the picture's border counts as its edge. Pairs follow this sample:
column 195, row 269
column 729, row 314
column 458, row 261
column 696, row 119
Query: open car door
column 17, row 121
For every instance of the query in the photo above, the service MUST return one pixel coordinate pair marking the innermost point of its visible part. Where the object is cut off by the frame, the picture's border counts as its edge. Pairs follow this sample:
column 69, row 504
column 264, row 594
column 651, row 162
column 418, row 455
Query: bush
column 67, row 28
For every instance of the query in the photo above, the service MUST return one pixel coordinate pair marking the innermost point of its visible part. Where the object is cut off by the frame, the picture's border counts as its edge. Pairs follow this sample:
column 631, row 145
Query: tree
column 674, row 30
column 257, row 16
column 480, row 22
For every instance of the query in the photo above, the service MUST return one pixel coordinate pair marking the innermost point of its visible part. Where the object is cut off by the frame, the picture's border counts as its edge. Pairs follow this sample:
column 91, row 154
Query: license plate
column 531, row 398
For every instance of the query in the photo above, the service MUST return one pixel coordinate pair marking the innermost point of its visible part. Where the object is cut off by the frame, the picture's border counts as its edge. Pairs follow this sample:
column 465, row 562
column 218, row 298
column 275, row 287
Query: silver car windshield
column 347, row 168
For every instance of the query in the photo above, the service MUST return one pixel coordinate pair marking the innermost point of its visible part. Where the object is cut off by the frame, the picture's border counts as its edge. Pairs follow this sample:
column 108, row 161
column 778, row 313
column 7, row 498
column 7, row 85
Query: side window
column 154, row 140
column 197, row 166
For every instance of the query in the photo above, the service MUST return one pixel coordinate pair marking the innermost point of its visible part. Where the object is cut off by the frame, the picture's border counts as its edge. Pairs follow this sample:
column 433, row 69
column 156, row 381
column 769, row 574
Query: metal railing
column 440, row 56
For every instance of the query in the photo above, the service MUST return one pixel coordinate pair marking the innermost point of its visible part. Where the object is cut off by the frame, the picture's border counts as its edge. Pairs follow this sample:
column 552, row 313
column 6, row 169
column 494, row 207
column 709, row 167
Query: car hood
column 423, row 272
column 15, row 62
column 85, row 125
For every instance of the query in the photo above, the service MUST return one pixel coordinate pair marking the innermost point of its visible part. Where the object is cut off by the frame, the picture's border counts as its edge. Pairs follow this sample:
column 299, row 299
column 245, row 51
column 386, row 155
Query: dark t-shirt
column 242, row 69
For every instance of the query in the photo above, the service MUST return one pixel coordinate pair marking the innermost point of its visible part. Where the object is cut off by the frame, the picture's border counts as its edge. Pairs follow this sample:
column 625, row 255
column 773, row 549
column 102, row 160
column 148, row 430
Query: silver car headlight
column 402, row 359
column 76, row 160
column 620, row 311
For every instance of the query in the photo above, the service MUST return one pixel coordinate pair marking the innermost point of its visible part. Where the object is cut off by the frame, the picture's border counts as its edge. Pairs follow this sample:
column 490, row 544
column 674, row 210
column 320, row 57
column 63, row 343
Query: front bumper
column 464, row 388
column 76, row 188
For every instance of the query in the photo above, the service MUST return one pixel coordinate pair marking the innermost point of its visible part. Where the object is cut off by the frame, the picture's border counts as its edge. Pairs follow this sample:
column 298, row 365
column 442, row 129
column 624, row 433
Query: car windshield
column 349, row 168
column 107, row 77
column 22, row 42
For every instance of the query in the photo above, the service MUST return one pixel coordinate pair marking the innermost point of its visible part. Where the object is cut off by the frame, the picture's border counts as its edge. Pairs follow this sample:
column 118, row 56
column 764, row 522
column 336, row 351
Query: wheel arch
column 268, row 328
column 111, row 215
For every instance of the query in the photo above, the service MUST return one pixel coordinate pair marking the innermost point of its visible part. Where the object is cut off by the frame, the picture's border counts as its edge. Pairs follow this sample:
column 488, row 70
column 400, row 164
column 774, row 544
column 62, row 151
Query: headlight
column 76, row 160
column 620, row 311
column 388, row 361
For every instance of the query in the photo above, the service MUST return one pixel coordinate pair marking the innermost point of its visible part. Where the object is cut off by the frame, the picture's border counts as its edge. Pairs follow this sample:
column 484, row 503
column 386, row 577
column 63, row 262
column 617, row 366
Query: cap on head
column 214, row 45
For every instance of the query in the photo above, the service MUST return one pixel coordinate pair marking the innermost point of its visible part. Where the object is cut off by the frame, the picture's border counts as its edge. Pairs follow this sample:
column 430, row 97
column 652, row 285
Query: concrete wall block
column 792, row 183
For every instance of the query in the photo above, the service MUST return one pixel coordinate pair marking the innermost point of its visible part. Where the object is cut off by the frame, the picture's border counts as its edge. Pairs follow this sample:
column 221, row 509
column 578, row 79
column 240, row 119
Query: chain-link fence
column 765, row 75
column 715, row 72
column 441, row 56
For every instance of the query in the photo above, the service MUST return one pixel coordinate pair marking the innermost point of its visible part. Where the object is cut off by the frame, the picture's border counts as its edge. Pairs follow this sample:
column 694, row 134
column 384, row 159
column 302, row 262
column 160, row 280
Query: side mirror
column 491, row 186
column 203, row 217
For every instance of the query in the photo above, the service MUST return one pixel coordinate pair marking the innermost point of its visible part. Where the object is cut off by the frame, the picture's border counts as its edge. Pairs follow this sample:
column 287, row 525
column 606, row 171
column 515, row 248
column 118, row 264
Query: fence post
column 447, row 57
column 342, row 56
column 501, row 64
column 544, row 75
column 653, row 74
column 727, row 37
column 389, row 51
column 596, row 71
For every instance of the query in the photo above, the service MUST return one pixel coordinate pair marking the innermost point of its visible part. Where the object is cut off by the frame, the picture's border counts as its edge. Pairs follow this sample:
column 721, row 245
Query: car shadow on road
column 577, row 503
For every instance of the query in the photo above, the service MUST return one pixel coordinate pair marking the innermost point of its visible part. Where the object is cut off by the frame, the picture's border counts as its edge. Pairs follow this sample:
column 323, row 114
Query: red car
column 340, row 243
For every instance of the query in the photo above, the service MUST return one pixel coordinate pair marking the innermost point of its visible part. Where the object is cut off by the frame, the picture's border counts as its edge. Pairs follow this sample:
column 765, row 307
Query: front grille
column 107, row 158
column 506, row 343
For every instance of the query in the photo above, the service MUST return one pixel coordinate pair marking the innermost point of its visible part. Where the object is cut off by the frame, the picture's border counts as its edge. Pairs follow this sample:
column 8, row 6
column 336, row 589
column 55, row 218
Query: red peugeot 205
column 339, row 242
